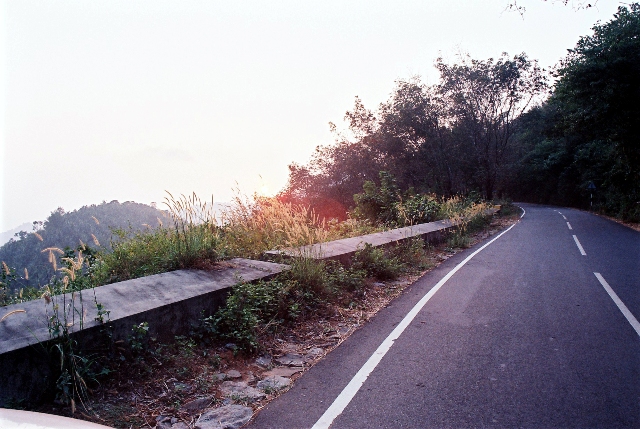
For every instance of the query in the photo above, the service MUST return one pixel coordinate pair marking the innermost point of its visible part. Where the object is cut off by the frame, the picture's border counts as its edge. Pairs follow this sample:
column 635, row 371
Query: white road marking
column 623, row 308
column 569, row 225
column 564, row 217
column 582, row 252
column 523, row 212
column 347, row 394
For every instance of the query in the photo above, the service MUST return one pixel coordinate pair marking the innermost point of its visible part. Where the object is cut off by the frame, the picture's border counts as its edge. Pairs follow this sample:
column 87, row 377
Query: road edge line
column 350, row 390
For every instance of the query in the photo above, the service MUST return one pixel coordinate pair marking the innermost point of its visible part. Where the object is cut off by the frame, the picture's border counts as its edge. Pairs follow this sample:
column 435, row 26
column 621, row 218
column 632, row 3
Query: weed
column 215, row 360
column 138, row 338
column 375, row 263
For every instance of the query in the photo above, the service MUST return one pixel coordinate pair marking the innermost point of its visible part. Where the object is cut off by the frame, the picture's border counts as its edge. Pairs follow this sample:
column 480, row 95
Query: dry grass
column 253, row 226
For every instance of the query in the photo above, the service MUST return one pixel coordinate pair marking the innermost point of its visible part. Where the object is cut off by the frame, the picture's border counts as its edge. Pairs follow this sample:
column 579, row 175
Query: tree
column 483, row 100
column 575, row 4
column 597, row 96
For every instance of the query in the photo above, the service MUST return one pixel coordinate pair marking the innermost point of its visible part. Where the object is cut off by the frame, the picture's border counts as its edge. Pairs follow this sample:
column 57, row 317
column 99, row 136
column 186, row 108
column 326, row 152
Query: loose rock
column 282, row 371
column 240, row 390
column 234, row 374
column 314, row 353
column 227, row 417
column 264, row 361
column 291, row 359
column 163, row 422
column 274, row 383
column 197, row 404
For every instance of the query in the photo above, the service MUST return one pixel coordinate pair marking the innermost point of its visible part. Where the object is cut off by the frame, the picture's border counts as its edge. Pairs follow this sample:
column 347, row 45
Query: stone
column 241, row 391
column 234, row 374
column 163, row 422
column 180, row 425
column 226, row 417
column 264, row 361
column 314, row 353
column 197, row 404
column 291, row 359
column 274, row 383
column 282, row 371
column 219, row 376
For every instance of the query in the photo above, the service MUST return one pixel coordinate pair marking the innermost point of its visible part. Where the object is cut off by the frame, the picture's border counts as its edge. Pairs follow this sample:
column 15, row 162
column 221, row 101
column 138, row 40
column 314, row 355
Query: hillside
column 90, row 225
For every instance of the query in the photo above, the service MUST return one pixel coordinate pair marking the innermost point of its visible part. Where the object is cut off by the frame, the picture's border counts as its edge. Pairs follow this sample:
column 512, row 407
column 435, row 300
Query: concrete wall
column 169, row 302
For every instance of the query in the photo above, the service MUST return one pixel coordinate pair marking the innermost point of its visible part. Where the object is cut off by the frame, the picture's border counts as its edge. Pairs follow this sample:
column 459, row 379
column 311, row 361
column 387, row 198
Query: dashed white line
column 347, row 394
column 569, row 225
column 564, row 217
column 582, row 252
column 623, row 308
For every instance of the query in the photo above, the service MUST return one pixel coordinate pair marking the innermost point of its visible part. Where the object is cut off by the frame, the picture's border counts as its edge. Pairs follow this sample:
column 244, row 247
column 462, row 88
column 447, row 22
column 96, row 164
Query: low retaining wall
column 344, row 249
column 169, row 302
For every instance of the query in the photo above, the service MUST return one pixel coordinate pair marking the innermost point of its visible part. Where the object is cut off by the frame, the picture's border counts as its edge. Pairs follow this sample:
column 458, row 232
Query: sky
column 124, row 100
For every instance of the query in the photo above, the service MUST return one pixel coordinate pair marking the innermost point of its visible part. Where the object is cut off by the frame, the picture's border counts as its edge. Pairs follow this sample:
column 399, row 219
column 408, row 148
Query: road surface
column 538, row 329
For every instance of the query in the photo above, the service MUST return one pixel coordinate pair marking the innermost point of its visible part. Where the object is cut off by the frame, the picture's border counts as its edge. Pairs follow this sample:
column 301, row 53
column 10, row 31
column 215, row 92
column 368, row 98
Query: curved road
column 539, row 329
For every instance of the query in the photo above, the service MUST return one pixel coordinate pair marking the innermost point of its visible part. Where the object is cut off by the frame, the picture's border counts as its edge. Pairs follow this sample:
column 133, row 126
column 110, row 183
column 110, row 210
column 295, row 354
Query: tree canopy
column 588, row 132
column 453, row 137
column 493, row 127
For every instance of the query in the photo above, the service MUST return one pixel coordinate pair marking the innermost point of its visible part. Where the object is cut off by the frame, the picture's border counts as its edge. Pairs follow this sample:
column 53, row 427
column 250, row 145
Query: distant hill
column 9, row 234
column 66, row 229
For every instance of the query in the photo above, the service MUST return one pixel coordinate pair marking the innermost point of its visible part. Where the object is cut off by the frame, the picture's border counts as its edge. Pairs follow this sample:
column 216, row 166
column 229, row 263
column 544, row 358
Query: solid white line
column 623, row 308
column 582, row 252
column 347, row 394
column 523, row 212
column 569, row 225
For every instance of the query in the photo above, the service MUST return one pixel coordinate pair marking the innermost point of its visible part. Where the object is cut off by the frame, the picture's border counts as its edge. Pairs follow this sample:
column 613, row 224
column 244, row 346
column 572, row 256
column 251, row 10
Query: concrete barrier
column 344, row 249
column 169, row 302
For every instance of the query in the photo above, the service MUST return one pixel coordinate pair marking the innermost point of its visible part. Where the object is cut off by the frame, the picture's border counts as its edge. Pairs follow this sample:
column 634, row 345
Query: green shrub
column 417, row 209
column 411, row 254
column 375, row 263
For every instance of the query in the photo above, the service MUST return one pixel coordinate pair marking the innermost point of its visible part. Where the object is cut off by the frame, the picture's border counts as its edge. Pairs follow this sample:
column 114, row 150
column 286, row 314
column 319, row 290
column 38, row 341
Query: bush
column 375, row 263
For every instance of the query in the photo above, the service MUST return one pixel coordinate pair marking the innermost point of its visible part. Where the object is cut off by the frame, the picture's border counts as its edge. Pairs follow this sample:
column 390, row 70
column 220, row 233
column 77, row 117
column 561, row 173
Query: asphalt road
column 524, row 335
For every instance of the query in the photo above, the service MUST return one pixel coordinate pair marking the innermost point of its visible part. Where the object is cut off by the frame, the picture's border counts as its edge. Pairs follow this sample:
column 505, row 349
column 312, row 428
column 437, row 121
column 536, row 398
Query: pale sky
column 122, row 100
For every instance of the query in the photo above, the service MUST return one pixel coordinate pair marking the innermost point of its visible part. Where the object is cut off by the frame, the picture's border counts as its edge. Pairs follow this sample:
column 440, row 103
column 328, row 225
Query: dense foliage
column 588, row 132
column 491, row 127
column 451, row 138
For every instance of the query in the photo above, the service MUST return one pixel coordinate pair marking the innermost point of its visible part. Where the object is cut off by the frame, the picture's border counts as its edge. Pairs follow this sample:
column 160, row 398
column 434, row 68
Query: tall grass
column 192, row 237
column 253, row 226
